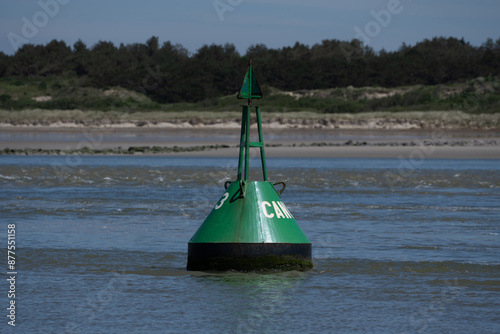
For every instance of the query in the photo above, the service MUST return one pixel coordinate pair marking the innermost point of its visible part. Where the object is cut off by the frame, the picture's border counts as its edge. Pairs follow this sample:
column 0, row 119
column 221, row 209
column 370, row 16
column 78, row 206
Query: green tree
column 4, row 63
column 81, row 58
column 217, row 69
column 152, row 45
column 165, row 79
column 26, row 61
column 55, row 60
column 104, row 69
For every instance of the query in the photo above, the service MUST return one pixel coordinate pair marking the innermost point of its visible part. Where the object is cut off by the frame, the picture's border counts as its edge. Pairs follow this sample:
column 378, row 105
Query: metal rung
column 256, row 144
column 246, row 143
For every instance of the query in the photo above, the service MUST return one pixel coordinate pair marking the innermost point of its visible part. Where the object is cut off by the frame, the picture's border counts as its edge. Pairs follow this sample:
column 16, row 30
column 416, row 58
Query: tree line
column 168, row 73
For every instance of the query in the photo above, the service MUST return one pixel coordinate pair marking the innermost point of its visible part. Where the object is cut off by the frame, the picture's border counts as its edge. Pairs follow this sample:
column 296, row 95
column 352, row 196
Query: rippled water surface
column 398, row 246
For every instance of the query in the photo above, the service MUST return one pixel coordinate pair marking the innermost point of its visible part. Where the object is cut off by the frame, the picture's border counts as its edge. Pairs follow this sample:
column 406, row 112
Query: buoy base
column 249, row 256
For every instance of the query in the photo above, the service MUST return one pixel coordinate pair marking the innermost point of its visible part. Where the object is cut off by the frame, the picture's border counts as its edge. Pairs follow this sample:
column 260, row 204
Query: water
column 102, row 247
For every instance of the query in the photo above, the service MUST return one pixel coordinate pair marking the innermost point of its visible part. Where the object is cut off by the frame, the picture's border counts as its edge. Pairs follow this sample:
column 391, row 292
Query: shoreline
column 387, row 152
column 404, row 120
column 280, row 142
column 432, row 134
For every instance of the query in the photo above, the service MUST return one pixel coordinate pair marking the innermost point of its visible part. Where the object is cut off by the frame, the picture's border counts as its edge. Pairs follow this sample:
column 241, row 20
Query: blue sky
column 275, row 23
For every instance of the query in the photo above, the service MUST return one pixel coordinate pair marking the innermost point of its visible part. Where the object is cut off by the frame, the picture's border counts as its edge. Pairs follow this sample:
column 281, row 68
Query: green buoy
column 250, row 228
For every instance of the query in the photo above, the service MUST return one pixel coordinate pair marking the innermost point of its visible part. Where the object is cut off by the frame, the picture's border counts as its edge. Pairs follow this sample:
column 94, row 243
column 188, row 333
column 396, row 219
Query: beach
column 223, row 141
column 413, row 135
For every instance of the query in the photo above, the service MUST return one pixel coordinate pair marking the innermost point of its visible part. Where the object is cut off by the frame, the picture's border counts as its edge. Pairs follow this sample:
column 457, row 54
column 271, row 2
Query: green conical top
column 258, row 217
column 250, row 88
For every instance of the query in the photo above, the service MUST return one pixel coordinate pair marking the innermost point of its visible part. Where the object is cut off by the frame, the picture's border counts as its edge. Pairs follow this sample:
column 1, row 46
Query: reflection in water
column 258, row 298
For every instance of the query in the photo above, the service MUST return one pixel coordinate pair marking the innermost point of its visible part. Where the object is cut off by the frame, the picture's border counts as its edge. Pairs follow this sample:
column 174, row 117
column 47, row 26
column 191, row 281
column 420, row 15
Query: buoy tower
column 250, row 228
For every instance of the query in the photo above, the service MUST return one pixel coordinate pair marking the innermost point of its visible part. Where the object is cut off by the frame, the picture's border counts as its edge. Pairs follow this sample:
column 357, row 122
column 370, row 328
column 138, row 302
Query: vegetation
column 20, row 100
column 331, row 77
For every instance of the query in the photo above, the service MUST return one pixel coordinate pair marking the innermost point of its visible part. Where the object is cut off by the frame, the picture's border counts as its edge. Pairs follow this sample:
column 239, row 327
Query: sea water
column 101, row 247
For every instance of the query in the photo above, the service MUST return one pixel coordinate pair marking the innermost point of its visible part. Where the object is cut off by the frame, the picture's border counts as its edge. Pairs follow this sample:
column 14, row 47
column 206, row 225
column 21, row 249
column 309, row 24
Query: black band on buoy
column 249, row 256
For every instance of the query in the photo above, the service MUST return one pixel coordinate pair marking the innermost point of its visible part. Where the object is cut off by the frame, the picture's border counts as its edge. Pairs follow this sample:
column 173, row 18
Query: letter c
column 268, row 215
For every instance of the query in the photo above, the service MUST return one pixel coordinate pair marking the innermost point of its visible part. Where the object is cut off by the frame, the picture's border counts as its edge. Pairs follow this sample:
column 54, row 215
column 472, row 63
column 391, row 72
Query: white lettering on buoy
column 285, row 210
column 268, row 215
column 280, row 210
column 279, row 214
column 222, row 200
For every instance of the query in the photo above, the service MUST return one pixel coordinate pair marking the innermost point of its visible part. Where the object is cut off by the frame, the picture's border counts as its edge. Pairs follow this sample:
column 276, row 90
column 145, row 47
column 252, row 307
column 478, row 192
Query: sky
column 381, row 24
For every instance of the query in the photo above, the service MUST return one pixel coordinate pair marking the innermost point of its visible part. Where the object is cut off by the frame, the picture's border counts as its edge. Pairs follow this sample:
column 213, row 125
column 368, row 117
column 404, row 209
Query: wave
column 324, row 178
column 173, row 263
